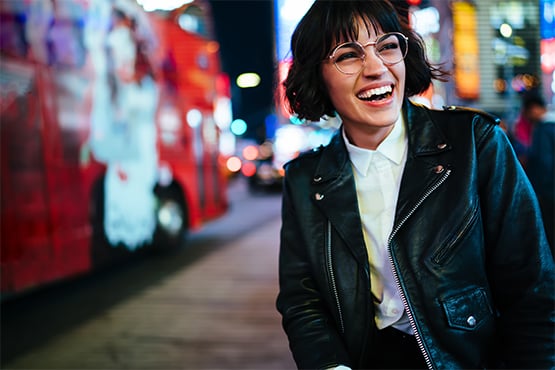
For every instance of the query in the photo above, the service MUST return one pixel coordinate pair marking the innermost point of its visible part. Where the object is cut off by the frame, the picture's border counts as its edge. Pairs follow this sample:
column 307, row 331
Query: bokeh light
column 248, row 169
column 238, row 127
column 233, row 164
column 250, row 152
column 246, row 80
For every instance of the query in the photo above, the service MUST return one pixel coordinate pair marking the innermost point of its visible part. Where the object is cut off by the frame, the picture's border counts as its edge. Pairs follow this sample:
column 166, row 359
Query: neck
column 367, row 137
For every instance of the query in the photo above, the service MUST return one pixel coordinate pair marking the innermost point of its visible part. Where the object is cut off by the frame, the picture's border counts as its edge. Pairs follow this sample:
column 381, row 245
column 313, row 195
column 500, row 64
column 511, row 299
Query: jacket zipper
column 332, row 277
column 441, row 255
column 396, row 275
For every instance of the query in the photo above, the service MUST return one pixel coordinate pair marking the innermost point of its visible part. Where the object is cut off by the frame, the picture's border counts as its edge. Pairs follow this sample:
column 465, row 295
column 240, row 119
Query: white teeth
column 378, row 91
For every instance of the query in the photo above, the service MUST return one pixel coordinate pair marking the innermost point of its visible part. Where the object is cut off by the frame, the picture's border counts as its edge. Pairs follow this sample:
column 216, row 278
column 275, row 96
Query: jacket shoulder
column 305, row 156
column 488, row 117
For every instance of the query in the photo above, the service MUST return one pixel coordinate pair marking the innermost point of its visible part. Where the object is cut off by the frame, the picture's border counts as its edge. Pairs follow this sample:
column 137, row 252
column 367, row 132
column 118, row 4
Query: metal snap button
column 442, row 146
column 319, row 196
column 439, row 169
column 471, row 321
column 317, row 179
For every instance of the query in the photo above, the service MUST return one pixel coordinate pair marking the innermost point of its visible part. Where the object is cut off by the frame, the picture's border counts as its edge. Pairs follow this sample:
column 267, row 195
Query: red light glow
column 249, row 169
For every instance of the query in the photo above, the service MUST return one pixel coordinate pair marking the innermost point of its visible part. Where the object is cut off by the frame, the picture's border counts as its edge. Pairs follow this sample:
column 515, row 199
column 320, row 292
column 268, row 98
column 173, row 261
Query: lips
column 378, row 93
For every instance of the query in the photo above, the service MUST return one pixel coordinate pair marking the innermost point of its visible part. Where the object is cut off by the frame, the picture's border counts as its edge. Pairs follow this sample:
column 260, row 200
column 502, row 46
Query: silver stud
column 317, row 179
column 319, row 196
column 442, row 146
column 439, row 169
column 471, row 321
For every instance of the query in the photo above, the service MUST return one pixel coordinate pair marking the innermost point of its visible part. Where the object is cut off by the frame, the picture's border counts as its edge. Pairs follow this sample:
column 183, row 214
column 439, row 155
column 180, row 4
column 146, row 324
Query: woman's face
column 370, row 101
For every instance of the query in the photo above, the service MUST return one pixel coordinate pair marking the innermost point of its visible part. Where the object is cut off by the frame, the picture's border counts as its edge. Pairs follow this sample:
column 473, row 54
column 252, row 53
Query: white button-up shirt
column 377, row 176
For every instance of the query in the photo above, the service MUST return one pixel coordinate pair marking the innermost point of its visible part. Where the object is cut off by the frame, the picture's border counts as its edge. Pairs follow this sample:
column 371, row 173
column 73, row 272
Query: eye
column 348, row 52
column 387, row 45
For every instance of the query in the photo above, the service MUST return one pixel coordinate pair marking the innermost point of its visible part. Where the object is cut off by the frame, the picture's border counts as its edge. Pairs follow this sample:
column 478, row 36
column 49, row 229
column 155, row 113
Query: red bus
column 110, row 124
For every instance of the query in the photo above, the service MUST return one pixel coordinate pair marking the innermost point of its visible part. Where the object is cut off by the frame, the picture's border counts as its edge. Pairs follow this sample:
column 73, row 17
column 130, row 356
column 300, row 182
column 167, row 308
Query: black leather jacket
column 468, row 250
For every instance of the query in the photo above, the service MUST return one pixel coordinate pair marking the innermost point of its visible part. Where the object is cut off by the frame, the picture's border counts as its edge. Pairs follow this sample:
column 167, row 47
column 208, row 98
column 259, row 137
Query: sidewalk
column 216, row 314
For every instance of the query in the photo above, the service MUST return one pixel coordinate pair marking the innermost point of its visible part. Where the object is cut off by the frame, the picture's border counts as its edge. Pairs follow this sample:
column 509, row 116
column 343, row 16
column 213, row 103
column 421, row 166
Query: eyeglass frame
column 364, row 46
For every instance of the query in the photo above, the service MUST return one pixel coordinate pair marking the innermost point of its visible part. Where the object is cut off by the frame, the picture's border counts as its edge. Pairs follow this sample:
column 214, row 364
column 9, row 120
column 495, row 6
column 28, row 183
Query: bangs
column 342, row 22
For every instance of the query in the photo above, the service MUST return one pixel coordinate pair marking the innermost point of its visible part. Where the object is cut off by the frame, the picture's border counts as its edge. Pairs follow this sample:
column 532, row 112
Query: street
column 210, row 305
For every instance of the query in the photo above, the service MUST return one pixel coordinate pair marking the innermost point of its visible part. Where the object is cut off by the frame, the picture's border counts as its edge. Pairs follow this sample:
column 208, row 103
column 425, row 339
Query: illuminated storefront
column 493, row 49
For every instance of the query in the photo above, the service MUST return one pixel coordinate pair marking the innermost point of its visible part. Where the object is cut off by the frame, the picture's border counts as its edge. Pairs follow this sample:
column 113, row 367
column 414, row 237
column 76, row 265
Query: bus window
column 192, row 20
column 66, row 44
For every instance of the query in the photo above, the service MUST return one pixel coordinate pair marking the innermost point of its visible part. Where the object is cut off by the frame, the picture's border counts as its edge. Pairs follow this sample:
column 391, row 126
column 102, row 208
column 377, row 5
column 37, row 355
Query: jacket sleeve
column 520, row 264
column 314, row 339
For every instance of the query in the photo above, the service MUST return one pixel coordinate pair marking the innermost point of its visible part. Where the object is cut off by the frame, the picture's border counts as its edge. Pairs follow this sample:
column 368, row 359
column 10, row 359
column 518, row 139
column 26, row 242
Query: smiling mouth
column 376, row 94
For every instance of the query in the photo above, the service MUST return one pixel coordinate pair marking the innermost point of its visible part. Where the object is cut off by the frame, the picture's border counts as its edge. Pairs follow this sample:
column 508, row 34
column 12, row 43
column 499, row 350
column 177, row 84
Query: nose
column 373, row 65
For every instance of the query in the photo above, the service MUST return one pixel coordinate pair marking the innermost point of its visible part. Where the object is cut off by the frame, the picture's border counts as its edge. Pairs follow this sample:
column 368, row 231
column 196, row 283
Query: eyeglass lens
column 390, row 48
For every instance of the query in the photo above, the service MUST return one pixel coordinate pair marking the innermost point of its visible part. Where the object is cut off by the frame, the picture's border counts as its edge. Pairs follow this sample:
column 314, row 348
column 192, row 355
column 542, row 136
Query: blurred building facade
column 497, row 50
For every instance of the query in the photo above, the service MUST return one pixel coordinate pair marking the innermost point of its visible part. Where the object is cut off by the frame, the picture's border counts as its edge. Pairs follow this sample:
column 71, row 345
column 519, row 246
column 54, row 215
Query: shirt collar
column 393, row 148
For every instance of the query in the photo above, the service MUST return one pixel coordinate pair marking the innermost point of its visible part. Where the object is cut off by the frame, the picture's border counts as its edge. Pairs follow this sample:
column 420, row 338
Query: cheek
column 334, row 86
column 400, row 74
column 328, row 78
column 339, row 97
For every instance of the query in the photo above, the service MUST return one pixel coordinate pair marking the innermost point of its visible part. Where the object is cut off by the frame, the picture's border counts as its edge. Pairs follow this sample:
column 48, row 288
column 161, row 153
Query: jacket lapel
column 423, row 167
column 334, row 193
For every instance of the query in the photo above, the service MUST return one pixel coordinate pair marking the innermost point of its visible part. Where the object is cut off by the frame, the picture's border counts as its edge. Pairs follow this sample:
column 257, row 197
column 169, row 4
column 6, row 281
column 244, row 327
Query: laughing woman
column 414, row 239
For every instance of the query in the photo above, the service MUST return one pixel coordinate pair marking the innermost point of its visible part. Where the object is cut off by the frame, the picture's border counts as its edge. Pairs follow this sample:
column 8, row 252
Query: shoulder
column 299, row 171
column 456, row 118
column 312, row 157
column 460, row 123
column 473, row 112
column 454, row 114
column 305, row 158
column 326, row 161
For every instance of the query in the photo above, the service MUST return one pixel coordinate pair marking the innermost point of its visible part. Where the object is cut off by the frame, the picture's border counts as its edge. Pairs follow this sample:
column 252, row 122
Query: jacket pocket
column 467, row 310
column 446, row 250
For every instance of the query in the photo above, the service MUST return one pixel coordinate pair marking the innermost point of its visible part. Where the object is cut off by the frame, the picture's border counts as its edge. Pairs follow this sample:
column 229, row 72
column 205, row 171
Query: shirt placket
column 384, row 173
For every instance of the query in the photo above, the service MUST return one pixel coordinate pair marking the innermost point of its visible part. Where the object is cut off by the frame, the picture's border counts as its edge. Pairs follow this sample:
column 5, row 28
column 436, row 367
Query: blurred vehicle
column 110, row 124
column 262, row 167
column 256, row 163
column 262, row 164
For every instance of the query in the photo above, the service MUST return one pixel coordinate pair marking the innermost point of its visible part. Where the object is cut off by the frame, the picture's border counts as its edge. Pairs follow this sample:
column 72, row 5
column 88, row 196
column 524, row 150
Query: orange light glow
column 250, row 153
column 233, row 164
column 212, row 47
column 466, row 50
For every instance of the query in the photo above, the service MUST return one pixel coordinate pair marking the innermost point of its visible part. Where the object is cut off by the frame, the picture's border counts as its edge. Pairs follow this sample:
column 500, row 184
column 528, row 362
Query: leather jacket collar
column 424, row 139
column 333, row 182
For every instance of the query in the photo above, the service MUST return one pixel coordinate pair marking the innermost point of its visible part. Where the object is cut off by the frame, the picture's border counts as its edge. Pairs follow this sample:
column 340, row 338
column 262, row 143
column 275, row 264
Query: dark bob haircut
column 329, row 22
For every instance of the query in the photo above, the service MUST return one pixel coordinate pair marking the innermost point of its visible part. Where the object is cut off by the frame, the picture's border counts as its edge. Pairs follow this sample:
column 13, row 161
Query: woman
column 413, row 239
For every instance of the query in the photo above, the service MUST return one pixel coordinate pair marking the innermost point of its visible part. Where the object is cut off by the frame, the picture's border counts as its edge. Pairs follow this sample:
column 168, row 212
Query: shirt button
column 471, row 321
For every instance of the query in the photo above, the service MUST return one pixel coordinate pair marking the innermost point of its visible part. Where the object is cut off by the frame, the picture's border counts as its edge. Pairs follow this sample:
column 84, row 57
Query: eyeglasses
column 349, row 58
